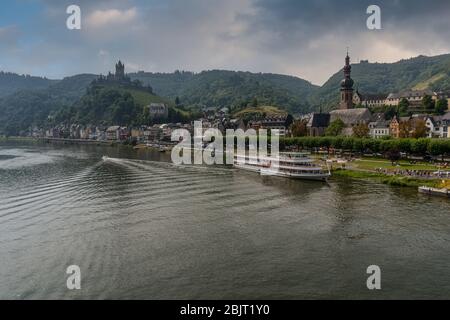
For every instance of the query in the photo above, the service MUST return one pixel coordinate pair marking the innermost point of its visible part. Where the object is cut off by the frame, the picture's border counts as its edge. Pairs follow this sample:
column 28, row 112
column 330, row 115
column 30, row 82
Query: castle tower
column 120, row 70
column 347, row 86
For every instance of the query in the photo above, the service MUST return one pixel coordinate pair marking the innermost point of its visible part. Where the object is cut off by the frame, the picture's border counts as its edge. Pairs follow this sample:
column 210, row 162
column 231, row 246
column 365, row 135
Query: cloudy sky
column 305, row 38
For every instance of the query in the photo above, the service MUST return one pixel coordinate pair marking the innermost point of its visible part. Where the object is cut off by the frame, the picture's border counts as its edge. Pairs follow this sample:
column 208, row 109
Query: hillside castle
column 118, row 77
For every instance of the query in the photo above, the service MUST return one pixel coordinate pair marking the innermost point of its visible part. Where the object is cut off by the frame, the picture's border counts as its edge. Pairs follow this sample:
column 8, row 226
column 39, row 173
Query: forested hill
column 70, row 89
column 228, row 88
column 218, row 88
column 415, row 73
column 26, row 100
column 109, row 104
column 32, row 106
column 12, row 82
column 80, row 100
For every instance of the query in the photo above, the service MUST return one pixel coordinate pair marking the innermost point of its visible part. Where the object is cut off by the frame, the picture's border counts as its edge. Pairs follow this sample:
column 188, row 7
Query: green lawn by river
column 373, row 164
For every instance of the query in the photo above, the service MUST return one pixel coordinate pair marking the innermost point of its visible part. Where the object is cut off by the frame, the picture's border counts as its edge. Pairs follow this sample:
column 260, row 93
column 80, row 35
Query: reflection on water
column 140, row 227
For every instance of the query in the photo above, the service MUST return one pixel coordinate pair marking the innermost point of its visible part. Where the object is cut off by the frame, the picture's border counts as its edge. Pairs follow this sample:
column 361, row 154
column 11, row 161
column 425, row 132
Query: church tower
column 120, row 71
column 347, row 86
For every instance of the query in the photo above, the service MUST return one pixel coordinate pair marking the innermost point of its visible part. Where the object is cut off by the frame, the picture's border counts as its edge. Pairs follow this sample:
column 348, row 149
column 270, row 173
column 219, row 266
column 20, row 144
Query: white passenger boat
column 435, row 191
column 288, row 165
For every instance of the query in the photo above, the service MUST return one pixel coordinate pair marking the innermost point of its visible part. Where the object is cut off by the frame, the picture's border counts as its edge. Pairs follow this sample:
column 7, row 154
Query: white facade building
column 438, row 126
column 379, row 129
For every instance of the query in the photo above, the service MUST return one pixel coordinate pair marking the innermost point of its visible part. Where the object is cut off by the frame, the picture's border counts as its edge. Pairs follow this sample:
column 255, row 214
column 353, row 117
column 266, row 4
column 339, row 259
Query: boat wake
column 144, row 164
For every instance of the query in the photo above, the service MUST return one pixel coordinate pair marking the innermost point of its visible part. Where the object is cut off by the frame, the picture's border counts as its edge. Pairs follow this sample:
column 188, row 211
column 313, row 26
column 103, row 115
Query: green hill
column 218, row 88
column 11, row 83
column 113, row 103
column 32, row 107
column 141, row 96
column 24, row 109
column 415, row 73
column 27, row 101
column 70, row 89
column 80, row 100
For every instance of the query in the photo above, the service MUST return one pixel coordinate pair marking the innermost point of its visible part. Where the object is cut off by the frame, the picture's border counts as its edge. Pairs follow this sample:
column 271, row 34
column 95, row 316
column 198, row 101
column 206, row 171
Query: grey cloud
column 9, row 36
column 307, row 20
column 317, row 32
column 306, row 38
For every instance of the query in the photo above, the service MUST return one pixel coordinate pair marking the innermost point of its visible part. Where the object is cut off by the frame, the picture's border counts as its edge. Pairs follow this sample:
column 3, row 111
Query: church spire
column 347, row 85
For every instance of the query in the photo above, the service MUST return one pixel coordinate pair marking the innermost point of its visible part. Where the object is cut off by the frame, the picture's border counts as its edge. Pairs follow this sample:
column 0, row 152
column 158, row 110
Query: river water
column 141, row 228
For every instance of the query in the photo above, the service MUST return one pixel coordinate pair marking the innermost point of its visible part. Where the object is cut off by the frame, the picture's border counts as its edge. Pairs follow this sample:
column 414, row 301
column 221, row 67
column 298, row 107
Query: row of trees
column 299, row 129
column 416, row 128
column 423, row 146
